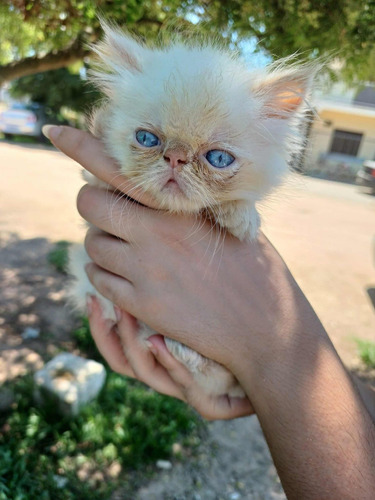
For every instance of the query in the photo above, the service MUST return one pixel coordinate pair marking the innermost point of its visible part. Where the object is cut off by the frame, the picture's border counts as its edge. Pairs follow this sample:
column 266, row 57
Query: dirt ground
column 324, row 230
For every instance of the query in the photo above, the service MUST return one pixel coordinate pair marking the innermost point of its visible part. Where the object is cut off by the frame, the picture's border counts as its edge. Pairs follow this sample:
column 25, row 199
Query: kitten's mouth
column 173, row 186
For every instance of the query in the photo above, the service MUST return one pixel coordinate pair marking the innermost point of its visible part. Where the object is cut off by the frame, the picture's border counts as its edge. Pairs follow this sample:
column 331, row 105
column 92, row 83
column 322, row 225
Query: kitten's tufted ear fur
column 284, row 90
column 119, row 51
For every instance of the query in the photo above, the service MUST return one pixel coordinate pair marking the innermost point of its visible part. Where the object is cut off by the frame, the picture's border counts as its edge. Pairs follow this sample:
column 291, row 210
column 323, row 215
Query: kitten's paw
column 239, row 218
column 211, row 376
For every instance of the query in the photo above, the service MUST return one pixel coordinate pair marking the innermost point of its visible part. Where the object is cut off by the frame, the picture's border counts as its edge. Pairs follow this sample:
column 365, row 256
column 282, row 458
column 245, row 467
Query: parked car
column 25, row 119
column 366, row 176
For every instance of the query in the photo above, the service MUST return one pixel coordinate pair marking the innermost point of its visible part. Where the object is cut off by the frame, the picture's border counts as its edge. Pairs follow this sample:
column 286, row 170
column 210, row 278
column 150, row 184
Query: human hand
column 219, row 296
column 156, row 367
column 89, row 152
column 239, row 306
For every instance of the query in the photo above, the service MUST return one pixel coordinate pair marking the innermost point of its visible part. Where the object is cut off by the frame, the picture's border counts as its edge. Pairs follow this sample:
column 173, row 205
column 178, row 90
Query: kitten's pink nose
column 175, row 158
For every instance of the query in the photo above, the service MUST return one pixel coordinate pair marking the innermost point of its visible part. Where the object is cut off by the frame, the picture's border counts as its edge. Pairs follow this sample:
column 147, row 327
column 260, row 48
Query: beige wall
column 330, row 120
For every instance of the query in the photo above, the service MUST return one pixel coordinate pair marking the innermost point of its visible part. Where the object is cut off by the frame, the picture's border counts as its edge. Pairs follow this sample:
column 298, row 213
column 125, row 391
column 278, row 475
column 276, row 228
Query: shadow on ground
column 32, row 304
column 29, row 143
column 371, row 294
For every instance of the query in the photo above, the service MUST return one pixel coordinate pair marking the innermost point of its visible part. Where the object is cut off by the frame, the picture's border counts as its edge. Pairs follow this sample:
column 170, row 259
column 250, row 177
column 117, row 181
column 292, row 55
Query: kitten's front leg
column 212, row 377
column 240, row 218
column 79, row 286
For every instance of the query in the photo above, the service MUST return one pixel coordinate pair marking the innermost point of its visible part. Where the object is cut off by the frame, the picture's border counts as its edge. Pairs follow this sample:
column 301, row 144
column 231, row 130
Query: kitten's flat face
column 176, row 134
column 180, row 154
column 186, row 126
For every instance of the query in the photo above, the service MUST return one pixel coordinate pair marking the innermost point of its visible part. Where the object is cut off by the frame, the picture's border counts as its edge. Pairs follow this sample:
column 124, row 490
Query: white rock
column 30, row 333
column 164, row 464
column 69, row 380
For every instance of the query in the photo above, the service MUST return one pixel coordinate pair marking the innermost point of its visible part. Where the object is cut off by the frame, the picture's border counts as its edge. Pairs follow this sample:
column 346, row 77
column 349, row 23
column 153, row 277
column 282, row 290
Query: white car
column 366, row 176
column 23, row 119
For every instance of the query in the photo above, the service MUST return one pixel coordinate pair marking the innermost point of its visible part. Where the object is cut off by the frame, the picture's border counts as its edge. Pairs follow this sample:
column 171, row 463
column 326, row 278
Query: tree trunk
column 52, row 60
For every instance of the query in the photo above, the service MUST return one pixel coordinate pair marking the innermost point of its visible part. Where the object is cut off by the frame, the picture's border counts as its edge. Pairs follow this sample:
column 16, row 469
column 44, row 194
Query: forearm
column 320, row 434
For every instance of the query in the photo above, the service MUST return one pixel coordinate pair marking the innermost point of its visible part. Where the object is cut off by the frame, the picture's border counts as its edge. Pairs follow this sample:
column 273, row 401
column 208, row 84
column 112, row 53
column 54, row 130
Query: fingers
column 88, row 151
column 144, row 364
column 227, row 408
column 118, row 290
column 155, row 366
column 120, row 344
column 208, row 406
column 176, row 370
column 109, row 253
column 114, row 214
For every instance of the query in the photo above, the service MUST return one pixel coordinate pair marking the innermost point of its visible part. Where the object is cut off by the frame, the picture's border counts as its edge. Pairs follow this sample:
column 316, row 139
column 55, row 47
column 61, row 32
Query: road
column 323, row 229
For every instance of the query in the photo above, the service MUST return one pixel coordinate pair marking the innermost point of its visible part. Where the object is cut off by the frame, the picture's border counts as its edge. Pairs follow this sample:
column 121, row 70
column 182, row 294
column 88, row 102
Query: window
column 346, row 143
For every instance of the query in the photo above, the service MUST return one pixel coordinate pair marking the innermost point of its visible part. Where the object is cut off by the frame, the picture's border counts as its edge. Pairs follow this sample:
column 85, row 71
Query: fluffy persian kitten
column 192, row 126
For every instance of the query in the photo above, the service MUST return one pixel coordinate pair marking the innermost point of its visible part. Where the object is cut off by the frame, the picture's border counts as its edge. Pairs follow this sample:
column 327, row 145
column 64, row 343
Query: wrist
column 290, row 333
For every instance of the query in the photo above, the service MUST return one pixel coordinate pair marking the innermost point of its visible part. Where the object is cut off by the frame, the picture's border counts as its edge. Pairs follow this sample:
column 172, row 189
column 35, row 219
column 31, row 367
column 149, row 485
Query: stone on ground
column 69, row 381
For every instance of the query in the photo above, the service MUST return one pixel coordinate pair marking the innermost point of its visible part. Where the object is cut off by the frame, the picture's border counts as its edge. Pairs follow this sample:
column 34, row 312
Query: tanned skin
column 317, row 422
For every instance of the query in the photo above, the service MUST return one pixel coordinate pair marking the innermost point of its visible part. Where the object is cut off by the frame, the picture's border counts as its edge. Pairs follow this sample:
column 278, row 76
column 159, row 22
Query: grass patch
column 366, row 351
column 58, row 256
column 127, row 427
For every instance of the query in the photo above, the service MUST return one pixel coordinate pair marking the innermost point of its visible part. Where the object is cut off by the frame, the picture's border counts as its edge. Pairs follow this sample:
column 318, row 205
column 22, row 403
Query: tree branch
column 52, row 60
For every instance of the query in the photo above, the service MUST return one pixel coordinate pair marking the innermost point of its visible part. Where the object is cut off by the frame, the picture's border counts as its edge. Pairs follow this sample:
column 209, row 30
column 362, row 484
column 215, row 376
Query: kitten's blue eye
column 147, row 139
column 219, row 159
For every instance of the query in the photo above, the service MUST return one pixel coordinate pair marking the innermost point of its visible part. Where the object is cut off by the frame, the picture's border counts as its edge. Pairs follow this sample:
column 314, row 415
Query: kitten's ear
column 283, row 91
column 118, row 50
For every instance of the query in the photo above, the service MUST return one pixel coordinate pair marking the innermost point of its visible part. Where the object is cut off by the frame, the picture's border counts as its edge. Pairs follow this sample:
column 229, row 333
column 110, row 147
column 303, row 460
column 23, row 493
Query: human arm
column 319, row 432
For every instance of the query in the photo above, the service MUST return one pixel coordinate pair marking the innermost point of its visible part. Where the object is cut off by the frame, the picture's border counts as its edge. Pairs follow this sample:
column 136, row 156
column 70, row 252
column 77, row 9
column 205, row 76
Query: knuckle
column 92, row 246
column 155, row 306
column 79, row 140
column 74, row 139
column 102, row 285
column 159, row 274
column 105, row 288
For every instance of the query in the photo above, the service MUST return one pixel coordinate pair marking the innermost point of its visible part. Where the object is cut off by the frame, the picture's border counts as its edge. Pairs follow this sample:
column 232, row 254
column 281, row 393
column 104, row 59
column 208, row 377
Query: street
column 324, row 230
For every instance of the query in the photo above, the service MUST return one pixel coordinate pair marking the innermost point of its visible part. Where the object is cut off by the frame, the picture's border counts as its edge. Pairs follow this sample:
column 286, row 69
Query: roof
column 345, row 107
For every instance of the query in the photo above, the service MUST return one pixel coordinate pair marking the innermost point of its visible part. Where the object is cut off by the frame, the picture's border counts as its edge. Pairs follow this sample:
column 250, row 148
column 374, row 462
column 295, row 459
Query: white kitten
column 195, row 128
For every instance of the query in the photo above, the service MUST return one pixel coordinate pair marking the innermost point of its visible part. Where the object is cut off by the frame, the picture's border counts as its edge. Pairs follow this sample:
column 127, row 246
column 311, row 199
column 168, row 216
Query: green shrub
column 366, row 351
column 128, row 426
column 58, row 256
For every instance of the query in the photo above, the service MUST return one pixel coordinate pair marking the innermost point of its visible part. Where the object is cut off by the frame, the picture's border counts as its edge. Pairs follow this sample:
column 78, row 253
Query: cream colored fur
column 196, row 98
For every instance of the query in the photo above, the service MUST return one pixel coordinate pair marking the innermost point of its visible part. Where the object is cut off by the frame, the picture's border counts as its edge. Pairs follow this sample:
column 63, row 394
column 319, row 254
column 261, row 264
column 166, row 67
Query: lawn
column 115, row 440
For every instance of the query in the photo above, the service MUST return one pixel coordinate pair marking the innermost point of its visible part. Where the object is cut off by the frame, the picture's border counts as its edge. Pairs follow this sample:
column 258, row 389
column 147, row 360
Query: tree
column 344, row 29
column 56, row 89
column 38, row 35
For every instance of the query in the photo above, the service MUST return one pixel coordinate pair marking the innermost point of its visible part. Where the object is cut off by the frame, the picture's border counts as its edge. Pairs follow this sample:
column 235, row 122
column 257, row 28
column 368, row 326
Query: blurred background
column 130, row 442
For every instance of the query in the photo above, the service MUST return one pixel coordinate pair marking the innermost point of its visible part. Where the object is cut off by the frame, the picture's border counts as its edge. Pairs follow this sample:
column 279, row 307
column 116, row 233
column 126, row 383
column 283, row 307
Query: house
column 342, row 134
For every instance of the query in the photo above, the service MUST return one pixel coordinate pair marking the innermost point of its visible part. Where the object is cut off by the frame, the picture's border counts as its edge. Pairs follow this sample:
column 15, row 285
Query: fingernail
column 151, row 347
column 89, row 305
column 52, row 132
column 118, row 313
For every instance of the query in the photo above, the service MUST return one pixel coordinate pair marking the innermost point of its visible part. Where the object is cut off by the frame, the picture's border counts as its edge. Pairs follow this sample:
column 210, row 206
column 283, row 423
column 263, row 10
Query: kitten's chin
column 172, row 197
